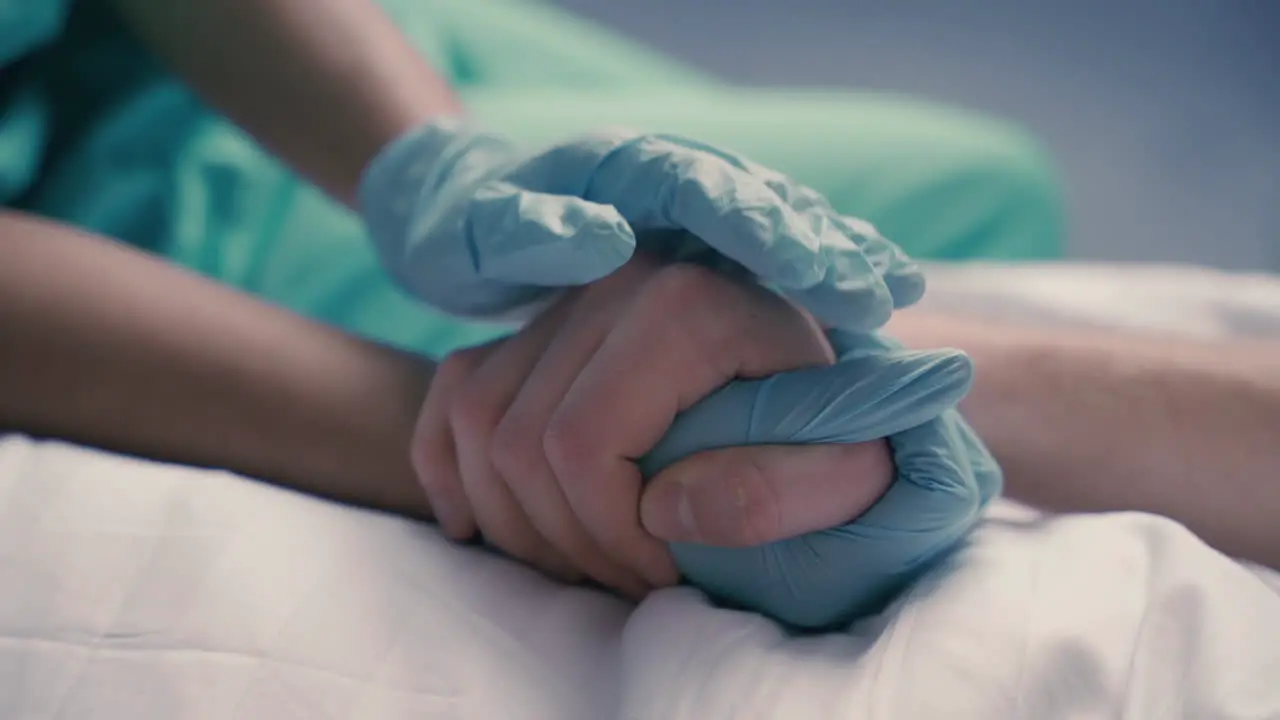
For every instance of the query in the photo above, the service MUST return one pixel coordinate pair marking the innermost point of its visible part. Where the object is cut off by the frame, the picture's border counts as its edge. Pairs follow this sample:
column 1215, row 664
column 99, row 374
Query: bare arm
column 103, row 345
column 324, row 84
column 1085, row 420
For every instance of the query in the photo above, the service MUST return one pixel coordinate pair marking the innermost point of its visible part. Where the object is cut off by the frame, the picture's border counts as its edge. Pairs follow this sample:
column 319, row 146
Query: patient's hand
column 532, row 439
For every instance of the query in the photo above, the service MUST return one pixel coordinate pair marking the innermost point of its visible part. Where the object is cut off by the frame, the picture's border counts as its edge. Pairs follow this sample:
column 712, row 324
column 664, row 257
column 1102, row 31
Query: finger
column 873, row 392
column 706, row 329
column 520, row 236
column 861, row 399
column 518, row 445
column 507, row 246
column 947, row 477
column 841, row 298
column 476, row 410
column 432, row 451
column 748, row 496
column 740, row 215
column 900, row 273
column 660, row 182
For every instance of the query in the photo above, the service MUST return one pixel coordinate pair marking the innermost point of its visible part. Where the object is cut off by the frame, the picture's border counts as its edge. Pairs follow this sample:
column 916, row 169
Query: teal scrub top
column 94, row 133
column 25, row 27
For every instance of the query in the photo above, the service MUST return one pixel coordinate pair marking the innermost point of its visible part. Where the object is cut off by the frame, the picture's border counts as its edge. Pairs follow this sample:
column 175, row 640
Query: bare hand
column 531, row 439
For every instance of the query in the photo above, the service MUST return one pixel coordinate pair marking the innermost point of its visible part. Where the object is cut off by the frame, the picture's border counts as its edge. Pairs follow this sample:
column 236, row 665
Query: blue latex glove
column 945, row 478
column 470, row 225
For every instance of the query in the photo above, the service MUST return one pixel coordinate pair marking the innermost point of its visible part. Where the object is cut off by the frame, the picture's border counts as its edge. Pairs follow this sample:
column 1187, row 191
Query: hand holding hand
column 532, row 439
column 840, row 571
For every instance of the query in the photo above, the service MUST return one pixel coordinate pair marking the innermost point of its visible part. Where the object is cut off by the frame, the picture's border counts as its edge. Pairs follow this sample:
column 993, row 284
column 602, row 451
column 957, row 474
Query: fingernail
column 671, row 516
column 688, row 525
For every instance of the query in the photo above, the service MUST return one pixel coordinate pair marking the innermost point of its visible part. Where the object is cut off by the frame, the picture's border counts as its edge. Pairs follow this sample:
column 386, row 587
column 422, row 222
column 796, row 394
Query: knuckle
column 566, row 443
column 701, row 313
column 684, row 285
column 473, row 413
column 516, row 448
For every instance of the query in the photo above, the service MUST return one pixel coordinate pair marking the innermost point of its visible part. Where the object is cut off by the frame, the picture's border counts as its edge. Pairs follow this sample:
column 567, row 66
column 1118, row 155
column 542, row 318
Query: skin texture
column 107, row 346
column 531, row 440
column 1087, row 420
column 326, row 84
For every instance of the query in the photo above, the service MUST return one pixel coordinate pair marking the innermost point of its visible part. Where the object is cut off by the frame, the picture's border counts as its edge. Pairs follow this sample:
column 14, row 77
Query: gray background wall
column 1164, row 115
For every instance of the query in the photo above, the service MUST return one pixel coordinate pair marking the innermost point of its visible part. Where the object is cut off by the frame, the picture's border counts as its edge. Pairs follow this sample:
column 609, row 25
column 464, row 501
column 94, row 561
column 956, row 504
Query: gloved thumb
column 865, row 396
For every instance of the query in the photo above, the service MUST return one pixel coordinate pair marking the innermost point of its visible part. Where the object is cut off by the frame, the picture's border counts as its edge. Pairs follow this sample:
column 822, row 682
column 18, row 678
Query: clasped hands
column 678, row 295
column 532, row 439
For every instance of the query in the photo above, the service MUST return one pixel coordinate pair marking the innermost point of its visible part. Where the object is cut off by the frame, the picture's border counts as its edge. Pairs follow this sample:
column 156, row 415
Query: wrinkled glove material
column 945, row 478
column 473, row 227
column 470, row 225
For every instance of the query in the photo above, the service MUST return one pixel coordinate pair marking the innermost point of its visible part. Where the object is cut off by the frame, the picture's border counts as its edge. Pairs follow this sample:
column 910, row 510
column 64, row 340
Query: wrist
column 368, row 457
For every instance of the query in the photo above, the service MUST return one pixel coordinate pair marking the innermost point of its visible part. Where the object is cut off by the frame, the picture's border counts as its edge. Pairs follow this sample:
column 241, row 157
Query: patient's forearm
column 322, row 83
column 1094, row 420
column 102, row 345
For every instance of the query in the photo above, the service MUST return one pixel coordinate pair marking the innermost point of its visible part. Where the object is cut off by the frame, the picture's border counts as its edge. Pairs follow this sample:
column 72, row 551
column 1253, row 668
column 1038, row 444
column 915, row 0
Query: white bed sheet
column 132, row 590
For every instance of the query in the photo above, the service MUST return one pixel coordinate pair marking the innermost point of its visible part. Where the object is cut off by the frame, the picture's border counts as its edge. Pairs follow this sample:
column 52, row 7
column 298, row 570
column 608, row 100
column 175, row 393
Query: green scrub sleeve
column 134, row 156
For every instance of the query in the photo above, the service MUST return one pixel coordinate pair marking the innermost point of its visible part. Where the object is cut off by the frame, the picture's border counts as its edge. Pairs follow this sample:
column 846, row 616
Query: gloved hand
column 945, row 477
column 470, row 225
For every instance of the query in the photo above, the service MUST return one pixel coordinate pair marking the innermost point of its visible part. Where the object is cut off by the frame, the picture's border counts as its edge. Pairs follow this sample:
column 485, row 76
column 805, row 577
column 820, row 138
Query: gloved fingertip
column 906, row 285
column 547, row 240
column 861, row 305
column 602, row 241
column 901, row 274
column 874, row 317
